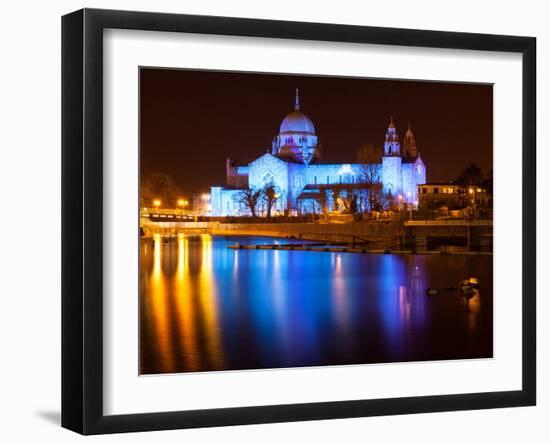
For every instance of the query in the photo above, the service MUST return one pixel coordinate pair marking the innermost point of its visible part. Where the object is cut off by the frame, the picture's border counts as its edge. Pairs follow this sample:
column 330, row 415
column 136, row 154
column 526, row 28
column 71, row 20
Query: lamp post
column 472, row 192
column 400, row 198
column 182, row 203
column 409, row 204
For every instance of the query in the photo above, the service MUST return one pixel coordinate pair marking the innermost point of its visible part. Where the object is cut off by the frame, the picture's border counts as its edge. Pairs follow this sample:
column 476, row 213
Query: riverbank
column 447, row 237
column 351, row 249
column 382, row 233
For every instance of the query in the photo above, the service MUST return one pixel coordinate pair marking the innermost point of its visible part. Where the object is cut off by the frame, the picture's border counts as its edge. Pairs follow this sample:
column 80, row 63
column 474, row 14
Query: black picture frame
column 82, row 218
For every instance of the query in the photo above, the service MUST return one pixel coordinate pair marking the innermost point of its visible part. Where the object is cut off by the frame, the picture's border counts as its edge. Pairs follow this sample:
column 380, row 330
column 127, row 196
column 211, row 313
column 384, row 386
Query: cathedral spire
column 409, row 143
column 297, row 103
column 391, row 145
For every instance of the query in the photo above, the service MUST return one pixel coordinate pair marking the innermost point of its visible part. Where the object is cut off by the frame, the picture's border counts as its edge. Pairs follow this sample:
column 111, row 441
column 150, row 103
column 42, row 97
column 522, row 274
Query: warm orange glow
column 182, row 202
column 184, row 302
column 208, row 296
column 156, row 203
column 159, row 307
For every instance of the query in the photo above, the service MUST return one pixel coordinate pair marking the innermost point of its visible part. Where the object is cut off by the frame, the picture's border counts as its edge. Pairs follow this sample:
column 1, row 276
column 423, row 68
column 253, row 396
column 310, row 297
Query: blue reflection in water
column 239, row 309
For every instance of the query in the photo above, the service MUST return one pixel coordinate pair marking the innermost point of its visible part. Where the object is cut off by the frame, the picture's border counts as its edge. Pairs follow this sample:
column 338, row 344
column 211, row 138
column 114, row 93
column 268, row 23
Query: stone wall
column 375, row 231
column 313, row 231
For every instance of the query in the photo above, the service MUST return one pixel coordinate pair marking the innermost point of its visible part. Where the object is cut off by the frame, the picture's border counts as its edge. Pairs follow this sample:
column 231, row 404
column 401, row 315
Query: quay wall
column 314, row 231
column 348, row 232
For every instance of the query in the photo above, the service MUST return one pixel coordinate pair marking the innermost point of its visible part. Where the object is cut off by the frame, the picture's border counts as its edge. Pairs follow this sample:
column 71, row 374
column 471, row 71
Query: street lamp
column 182, row 203
column 157, row 203
column 474, row 206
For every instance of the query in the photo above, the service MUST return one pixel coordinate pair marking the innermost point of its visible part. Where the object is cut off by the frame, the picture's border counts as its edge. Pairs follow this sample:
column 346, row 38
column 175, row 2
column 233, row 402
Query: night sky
column 191, row 121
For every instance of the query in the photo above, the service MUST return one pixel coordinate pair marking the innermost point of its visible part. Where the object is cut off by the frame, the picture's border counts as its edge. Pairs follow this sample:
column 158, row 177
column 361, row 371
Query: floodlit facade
column 296, row 168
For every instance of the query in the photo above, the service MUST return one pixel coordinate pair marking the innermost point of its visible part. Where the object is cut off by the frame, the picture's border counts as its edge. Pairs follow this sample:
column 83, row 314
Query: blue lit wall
column 227, row 202
column 269, row 168
column 419, row 175
column 334, row 174
column 418, row 178
column 297, row 180
column 391, row 175
column 291, row 178
column 407, row 180
column 216, row 193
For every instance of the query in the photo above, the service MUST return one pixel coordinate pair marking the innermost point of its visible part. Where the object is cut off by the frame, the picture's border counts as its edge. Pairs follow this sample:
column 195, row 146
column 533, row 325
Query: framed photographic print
column 269, row 221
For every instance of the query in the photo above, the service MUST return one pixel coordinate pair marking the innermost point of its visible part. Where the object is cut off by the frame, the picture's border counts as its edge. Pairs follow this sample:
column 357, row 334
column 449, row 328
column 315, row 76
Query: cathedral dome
column 297, row 121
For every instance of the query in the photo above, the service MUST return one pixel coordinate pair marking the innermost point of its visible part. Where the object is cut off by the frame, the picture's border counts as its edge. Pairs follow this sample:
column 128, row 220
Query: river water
column 206, row 307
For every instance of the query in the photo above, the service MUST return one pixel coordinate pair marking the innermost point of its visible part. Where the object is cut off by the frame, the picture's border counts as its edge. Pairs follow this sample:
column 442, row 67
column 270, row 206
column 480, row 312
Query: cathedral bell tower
column 409, row 144
column 391, row 163
column 391, row 144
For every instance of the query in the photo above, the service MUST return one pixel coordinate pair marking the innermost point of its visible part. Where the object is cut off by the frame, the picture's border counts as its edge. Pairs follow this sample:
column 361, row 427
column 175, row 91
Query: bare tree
column 270, row 196
column 351, row 201
column 322, row 201
column 250, row 198
column 369, row 158
column 388, row 200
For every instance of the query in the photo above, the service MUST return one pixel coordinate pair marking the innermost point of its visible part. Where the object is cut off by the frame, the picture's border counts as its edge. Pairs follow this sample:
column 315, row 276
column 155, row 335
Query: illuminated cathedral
column 297, row 170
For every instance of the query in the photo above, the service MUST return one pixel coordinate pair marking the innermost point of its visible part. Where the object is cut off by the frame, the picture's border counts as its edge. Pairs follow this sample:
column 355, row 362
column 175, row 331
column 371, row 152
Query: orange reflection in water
column 473, row 307
column 208, row 297
column 159, row 307
column 184, row 302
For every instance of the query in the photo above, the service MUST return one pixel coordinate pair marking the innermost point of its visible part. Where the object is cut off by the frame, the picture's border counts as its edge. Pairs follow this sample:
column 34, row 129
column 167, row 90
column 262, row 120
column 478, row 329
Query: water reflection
column 185, row 308
column 159, row 308
column 206, row 307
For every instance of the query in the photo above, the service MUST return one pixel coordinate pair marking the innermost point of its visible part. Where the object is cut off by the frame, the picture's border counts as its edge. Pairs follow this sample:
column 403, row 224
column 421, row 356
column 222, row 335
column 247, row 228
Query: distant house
column 435, row 195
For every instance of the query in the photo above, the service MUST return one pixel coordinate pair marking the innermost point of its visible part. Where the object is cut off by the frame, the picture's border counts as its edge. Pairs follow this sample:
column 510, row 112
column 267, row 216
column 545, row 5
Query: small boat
column 469, row 288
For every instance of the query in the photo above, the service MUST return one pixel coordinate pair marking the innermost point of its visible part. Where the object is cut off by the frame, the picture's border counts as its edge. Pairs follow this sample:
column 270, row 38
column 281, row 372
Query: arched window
column 268, row 178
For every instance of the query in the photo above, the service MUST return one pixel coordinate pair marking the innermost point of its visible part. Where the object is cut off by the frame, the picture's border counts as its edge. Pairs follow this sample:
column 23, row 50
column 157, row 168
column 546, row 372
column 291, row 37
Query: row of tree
column 161, row 186
column 252, row 198
column 474, row 176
